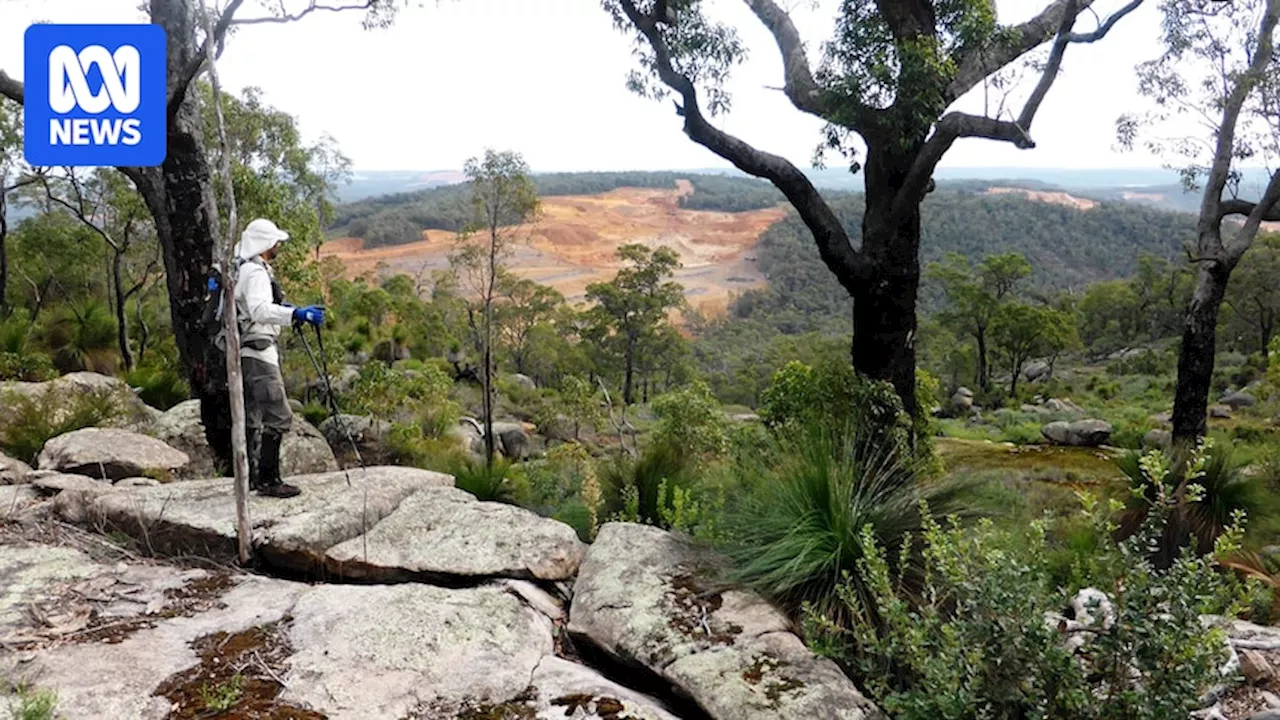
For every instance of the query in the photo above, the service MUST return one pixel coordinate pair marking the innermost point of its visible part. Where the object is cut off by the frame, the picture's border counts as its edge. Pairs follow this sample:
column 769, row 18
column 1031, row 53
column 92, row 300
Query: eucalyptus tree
column 1219, row 69
column 889, row 76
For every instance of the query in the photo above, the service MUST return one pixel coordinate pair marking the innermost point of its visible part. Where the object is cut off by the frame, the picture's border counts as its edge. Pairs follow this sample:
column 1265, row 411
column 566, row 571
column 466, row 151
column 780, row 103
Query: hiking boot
column 280, row 490
column 269, row 467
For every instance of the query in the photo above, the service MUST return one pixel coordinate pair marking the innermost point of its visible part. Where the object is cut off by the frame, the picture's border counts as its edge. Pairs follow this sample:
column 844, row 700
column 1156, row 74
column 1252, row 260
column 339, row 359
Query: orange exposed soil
column 1056, row 198
column 574, row 242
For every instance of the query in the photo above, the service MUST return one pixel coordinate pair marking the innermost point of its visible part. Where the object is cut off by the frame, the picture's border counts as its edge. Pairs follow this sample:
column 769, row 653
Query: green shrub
column 407, row 445
column 159, row 387
column 26, row 367
column 1129, row 435
column 835, row 395
column 1253, row 434
column 976, row 642
column 31, row 704
column 631, row 484
column 315, row 412
column 808, row 494
column 485, row 482
column 1148, row 362
column 691, row 418
column 31, row 420
column 422, row 396
column 1102, row 387
column 1023, row 433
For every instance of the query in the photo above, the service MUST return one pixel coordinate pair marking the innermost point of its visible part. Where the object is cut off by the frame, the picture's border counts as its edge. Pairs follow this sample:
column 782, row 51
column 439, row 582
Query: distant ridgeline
column 401, row 217
column 1067, row 247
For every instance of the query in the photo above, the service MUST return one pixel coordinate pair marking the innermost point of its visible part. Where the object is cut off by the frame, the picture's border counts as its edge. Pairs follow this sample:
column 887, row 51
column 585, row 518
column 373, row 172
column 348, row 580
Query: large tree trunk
column 884, row 306
column 1196, row 356
column 180, row 196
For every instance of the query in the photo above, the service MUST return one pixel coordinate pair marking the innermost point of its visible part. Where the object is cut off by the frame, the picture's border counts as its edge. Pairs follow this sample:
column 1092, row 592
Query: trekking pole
column 322, row 369
column 328, row 391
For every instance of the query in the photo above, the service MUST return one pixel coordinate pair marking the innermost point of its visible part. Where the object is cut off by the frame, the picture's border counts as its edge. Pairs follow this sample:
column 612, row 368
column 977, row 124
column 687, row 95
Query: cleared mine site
column 573, row 244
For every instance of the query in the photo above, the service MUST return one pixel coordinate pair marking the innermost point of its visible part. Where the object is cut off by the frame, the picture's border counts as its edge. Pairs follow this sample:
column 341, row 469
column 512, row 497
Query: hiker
column 261, row 309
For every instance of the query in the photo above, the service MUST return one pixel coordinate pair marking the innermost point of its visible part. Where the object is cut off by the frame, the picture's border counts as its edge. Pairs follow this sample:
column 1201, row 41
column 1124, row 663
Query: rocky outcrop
column 62, row 391
column 198, row 517
column 639, row 597
column 513, row 440
column 13, row 472
column 369, row 435
column 962, row 402
column 1157, row 439
column 1065, row 406
column 1238, row 399
column 1037, row 370
column 110, row 454
column 1081, row 433
column 1220, row 411
column 524, row 381
column 304, row 449
column 447, row 532
column 14, row 499
column 392, row 524
column 426, row 652
column 138, row 639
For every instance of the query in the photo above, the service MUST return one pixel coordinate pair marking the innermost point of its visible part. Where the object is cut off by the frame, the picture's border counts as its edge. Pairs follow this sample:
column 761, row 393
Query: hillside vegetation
column 401, row 217
column 1067, row 246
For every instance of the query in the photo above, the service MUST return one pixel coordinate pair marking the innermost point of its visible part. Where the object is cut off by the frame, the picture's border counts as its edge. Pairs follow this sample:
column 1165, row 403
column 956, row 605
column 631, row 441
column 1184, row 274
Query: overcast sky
column 546, row 78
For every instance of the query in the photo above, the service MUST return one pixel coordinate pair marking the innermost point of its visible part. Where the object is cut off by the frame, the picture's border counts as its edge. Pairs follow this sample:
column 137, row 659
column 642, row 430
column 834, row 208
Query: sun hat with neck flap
column 258, row 237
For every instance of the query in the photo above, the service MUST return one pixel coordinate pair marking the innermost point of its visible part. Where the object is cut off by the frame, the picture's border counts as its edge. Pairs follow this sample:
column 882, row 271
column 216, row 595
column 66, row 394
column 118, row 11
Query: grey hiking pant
column 265, row 404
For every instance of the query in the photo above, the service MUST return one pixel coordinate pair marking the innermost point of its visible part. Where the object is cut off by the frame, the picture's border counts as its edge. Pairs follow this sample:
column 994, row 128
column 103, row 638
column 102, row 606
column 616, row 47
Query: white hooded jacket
column 254, row 299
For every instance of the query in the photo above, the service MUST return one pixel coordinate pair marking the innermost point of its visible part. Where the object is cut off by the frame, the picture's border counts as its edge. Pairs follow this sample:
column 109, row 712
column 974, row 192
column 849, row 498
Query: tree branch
column 1105, row 26
column 1247, row 232
column 828, row 232
column 11, row 88
column 800, row 87
column 955, row 125
column 977, row 63
column 1246, row 208
column 1209, row 228
column 312, row 7
column 193, row 67
column 77, row 210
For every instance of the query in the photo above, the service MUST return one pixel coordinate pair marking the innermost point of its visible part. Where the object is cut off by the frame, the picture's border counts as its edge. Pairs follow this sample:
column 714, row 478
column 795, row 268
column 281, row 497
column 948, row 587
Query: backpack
column 211, row 315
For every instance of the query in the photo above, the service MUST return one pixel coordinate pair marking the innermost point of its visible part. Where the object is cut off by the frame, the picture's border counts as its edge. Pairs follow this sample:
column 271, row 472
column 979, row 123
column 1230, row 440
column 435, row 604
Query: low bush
column 31, row 420
column 563, row 484
column 406, row 444
column 1209, row 488
column 159, row 387
column 489, row 483
column 985, row 637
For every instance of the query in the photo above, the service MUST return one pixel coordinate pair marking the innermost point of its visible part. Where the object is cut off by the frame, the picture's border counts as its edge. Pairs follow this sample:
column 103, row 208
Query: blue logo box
column 95, row 95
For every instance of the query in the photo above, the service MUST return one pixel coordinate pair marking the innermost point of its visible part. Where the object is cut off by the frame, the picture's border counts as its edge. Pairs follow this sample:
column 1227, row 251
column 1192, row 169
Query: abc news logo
column 69, row 89
column 96, row 95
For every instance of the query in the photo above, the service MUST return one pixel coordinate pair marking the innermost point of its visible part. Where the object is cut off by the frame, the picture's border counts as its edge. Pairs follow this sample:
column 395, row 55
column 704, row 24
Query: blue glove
column 313, row 314
column 212, row 284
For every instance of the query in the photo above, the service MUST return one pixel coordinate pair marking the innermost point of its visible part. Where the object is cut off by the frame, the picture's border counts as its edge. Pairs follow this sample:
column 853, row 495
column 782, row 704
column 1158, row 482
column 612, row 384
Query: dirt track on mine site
column 573, row 243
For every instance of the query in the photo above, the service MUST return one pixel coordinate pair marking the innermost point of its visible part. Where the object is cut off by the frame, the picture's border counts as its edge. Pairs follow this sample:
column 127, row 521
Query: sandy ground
column 1056, row 198
column 573, row 244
